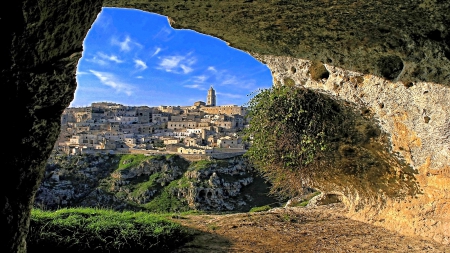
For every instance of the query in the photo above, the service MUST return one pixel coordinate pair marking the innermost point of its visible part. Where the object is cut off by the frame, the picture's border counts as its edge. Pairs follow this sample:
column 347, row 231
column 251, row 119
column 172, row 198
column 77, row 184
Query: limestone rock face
column 95, row 181
column 219, row 188
column 408, row 40
column 40, row 47
column 417, row 117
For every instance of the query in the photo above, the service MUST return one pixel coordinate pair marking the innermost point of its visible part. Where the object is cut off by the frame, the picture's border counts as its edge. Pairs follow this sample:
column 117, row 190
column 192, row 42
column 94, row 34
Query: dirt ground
column 296, row 229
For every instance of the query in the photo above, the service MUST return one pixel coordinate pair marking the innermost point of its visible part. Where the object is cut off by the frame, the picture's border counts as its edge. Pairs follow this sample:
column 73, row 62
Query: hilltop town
column 201, row 129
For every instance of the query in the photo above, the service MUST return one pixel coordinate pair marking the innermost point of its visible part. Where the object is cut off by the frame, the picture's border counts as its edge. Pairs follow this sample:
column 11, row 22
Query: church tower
column 211, row 98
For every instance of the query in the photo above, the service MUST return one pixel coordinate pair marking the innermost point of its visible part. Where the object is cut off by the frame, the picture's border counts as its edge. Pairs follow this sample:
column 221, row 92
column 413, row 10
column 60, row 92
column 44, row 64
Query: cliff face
column 406, row 41
column 416, row 117
column 159, row 183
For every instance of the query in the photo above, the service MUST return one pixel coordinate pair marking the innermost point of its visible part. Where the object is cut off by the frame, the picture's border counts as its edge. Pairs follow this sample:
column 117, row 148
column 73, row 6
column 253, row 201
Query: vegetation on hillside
column 101, row 230
column 132, row 160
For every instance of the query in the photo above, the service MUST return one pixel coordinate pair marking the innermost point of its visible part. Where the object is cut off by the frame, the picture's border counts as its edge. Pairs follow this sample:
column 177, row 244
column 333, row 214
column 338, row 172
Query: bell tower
column 211, row 98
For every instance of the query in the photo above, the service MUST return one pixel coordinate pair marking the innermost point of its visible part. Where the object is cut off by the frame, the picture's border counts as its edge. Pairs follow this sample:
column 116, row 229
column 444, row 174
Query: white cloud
column 164, row 34
column 80, row 73
column 195, row 86
column 211, row 68
column 230, row 95
column 139, row 64
column 110, row 80
column 104, row 59
column 97, row 61
column 157, row 50
column 229, row 80
column 139, row 77
column 112, row 57
column 200, row 79
column 186, row 69
column 177, row 64
column 126, row 44
column 171, row 62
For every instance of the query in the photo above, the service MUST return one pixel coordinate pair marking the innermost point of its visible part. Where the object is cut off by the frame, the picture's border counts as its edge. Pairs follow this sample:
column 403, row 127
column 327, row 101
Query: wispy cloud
column 225, row 78
column 195, row 86
column 186, row 69
column 80, row 73
column 165, row 34
column 157, row 50
column 229, row 95
column 229, row 80
column 212, row 68
column 177, row 64
column 139, row 77
column 170, row 62
column 139, row 64
column 103, row 59
column 97, row 60
column 110, row 80
column 200, row 79
column 112, row 57
column 126, row 44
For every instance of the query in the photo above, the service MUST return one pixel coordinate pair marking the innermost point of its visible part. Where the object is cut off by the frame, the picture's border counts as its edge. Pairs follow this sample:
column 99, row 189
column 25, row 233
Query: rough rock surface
column 408, row 40
column 96, row 181
column 42, row 40
column 417, row 117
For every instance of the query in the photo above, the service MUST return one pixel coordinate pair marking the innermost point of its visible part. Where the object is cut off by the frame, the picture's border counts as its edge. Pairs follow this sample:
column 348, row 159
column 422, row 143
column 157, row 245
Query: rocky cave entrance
column 42, row 43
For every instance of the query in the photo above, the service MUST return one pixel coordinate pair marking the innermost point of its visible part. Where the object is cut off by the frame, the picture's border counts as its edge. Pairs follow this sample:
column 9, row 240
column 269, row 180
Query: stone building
column 211, row 97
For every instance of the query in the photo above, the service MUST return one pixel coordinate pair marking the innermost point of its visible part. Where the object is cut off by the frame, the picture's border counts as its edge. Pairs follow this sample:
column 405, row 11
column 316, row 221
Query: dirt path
column 298, row 229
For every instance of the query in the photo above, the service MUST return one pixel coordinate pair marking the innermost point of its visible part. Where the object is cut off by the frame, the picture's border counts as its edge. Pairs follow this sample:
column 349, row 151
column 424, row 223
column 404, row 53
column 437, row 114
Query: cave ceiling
column 408, row 41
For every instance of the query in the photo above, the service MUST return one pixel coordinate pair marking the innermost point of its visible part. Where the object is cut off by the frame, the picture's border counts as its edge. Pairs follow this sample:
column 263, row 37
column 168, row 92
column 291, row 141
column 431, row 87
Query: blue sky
column 135, row 58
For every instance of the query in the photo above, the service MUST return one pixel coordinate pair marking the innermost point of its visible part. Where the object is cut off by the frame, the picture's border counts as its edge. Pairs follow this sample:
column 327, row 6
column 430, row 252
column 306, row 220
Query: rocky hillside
column 155, row 183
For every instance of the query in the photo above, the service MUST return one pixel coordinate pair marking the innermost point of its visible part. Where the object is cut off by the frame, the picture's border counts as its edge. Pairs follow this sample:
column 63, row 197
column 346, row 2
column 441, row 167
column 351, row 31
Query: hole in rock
column 390, row 67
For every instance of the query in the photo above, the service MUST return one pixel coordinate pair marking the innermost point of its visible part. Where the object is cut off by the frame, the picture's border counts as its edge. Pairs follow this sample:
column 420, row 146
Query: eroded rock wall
column 416, row 116
column 40, row 47
column 408, row 40
column 98, row 181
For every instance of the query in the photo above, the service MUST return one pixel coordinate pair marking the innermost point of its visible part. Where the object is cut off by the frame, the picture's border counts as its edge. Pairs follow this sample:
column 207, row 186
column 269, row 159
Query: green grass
column 166, row 203
column 131, row 160
column 144, row 186
column 101, row 230
column 260, row 209
column 305, row 201
column 302, row 204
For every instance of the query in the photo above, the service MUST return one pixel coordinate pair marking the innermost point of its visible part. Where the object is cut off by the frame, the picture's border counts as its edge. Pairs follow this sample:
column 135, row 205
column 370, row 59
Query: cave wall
column 408, row 42
column 416, row 117
column 40, row 48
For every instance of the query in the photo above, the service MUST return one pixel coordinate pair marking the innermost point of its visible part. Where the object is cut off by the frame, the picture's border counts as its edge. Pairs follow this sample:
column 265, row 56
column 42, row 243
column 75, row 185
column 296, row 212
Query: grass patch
column 141, row 188
column 166, row 203
column 131, row 160
column 302, row 204
column 260, row 209
column 101, row 230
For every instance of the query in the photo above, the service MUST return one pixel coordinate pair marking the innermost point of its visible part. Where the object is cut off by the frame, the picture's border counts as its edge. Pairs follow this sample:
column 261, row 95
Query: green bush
column 260, row 209
column 291, row 131
column 100, row 230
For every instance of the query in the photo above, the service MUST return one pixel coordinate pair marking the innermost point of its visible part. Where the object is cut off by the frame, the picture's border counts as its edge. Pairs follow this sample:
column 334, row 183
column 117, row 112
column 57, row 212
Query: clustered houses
column 202, row 128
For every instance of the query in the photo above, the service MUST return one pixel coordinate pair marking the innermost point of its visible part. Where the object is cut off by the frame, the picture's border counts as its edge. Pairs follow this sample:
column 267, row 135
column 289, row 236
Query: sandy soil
column 297, row 229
